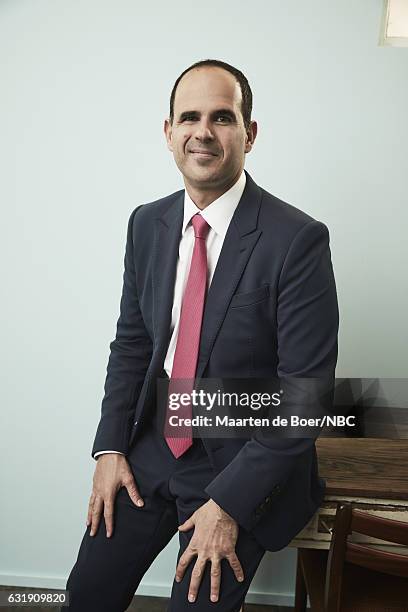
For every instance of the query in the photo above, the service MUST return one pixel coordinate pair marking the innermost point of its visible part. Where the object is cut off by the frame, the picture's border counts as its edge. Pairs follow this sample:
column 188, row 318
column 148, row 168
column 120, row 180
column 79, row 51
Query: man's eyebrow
column 219, row 111
column 225, row 111
column 187, row 114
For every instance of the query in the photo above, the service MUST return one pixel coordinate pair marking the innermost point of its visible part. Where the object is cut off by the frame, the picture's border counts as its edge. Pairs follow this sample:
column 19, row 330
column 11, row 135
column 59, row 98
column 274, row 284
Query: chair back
column 348, row 521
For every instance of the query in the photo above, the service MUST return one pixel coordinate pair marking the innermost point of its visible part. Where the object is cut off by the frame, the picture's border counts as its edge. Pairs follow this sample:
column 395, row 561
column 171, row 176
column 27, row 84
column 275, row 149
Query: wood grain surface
column 364, row 467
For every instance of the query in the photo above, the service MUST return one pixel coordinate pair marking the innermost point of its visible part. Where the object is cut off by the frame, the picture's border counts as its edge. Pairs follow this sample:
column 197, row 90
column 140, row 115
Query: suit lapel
column 241, row 237
column 166, row 245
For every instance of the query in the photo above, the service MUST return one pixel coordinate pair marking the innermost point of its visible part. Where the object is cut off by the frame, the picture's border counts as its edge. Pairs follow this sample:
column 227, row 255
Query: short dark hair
column 246, row 104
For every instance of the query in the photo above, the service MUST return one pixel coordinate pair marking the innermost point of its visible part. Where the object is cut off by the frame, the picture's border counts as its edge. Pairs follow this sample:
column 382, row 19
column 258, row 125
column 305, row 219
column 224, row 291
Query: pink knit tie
column 188, row 340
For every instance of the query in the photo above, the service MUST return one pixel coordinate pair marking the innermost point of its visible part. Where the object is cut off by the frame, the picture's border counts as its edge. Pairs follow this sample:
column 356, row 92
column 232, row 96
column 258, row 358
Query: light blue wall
column 84, row 92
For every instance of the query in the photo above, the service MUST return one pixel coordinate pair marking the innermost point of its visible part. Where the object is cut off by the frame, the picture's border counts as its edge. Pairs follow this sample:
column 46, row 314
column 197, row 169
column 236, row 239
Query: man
column 221, row 279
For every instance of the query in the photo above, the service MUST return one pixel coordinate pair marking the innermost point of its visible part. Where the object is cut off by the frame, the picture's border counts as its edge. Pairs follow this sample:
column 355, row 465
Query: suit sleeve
column 307, row 327
column 130, row 354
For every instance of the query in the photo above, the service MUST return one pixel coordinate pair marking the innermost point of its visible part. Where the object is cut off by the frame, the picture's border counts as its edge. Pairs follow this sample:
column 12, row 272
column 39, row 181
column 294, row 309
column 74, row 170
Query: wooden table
column 370, row 473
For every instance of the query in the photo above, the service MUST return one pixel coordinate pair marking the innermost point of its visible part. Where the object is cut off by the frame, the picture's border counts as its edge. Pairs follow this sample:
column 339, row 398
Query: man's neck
column 203, row 198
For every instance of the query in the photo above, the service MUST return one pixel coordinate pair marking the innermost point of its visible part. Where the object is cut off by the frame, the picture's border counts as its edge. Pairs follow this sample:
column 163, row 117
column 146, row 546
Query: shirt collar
column 219, row 213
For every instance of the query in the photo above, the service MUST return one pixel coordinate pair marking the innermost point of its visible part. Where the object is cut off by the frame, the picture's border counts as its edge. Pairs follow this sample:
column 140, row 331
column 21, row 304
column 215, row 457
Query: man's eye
column 223, row 118
column 188, row 118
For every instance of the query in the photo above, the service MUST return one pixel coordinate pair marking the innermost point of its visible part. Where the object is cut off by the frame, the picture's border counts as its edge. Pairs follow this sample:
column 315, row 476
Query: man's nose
column 204, row 131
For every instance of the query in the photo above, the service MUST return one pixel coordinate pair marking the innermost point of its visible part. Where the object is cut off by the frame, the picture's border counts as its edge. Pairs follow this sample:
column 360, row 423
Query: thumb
column 134, row 493
column 188, row 524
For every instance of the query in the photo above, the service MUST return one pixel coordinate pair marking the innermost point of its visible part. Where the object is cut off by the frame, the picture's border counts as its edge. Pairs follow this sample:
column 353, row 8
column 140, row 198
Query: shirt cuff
column 107, row 451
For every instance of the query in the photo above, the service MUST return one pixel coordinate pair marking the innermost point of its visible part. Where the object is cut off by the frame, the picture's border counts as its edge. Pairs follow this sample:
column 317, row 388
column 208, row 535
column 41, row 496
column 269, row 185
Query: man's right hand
column 112, row 472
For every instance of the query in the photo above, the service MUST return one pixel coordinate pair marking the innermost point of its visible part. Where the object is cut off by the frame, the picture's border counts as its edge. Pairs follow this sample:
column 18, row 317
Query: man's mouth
column 203, row 153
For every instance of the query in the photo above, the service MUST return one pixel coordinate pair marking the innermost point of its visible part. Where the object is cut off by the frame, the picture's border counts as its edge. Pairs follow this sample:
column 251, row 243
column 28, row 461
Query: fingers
column 96, row 514
column 184, row 561
column 196, row 577
column 236, row 566
column 112, row 472
column 133, row 491
column 90, row 507
column 188, row 524
column 215, row 579
column 96, row 504
column 108, row 516
column 198, row 572
column 215, row 576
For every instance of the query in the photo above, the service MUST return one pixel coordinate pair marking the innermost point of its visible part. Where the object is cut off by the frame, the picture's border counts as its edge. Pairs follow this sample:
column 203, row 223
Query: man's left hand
column 214, row 538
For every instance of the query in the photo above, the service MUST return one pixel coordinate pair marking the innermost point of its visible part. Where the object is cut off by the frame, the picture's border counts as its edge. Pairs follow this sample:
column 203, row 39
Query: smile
column 203, row 153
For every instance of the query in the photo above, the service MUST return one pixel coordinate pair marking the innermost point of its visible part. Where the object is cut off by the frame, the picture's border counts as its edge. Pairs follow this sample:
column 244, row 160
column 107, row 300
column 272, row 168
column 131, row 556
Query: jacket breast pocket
column 251, row 297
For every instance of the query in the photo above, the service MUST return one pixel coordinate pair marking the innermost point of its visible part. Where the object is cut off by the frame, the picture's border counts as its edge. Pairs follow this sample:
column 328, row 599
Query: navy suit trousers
column 108, row 570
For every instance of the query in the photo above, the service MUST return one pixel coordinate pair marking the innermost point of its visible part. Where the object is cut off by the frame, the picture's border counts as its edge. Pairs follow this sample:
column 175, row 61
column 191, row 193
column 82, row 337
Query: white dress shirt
column 218, row 215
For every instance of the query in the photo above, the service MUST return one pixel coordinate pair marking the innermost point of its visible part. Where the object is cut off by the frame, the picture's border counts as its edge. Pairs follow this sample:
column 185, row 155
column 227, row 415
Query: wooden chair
column 355, row 577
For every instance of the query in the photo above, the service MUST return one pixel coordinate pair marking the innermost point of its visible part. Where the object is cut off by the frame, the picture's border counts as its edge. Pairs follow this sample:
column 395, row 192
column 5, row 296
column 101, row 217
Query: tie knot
column 200, row 225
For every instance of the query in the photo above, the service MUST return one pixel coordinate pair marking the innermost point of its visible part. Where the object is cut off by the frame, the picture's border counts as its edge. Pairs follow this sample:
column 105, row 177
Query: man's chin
column 203, row 177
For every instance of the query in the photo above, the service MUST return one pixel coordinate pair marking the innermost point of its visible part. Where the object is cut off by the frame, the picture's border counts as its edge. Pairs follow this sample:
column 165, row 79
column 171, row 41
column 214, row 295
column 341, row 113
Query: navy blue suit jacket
column 271, row 310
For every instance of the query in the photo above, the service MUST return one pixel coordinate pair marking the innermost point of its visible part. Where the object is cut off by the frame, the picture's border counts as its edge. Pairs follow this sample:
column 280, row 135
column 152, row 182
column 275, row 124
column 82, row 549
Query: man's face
column 208, row 137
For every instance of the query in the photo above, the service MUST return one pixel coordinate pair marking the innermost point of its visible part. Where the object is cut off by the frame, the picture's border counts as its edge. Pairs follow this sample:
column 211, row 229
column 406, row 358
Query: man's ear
column 167, row 133
column 251, row 135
